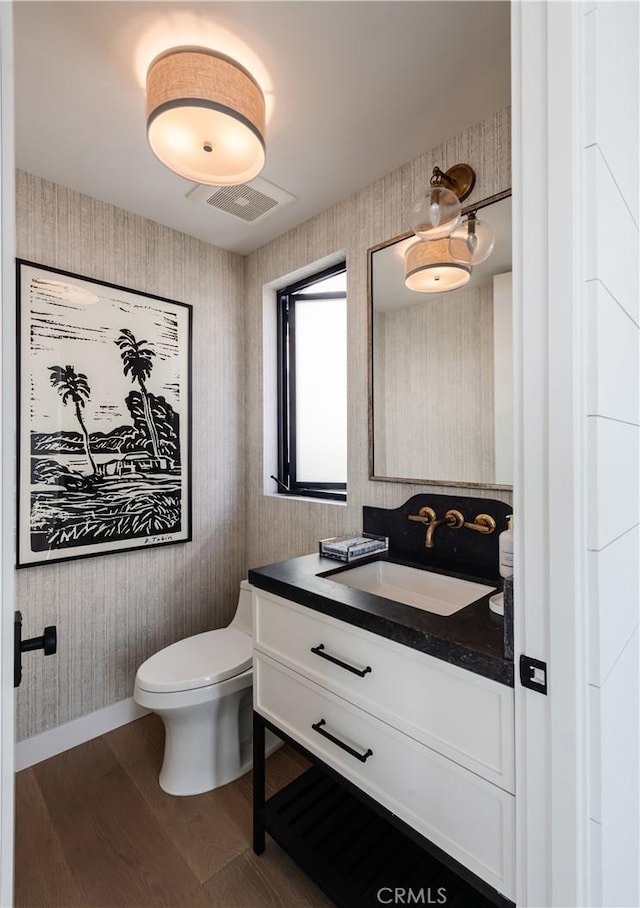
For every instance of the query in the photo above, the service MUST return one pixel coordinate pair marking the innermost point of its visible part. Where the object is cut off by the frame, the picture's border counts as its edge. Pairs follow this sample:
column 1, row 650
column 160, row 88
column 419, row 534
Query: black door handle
column 48, row 642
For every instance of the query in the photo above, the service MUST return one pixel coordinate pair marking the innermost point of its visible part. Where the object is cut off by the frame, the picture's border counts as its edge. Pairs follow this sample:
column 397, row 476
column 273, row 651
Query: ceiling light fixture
column 430, row 268
column 205, row 116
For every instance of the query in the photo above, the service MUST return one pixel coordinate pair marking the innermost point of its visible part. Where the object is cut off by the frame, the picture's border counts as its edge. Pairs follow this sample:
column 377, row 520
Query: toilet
column 201, row 687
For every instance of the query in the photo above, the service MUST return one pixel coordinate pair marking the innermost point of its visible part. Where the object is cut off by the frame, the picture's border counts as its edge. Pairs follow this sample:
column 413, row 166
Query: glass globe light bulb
column 472, row 242
column 436, row 214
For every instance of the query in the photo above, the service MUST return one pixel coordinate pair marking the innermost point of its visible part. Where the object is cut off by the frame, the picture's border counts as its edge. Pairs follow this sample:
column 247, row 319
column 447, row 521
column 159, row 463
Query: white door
column 577, row 495
column 550, row 623
column 7, row 456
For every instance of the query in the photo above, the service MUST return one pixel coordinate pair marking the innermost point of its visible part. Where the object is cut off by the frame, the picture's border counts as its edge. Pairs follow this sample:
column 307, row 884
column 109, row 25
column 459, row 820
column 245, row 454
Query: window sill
column 308, row 498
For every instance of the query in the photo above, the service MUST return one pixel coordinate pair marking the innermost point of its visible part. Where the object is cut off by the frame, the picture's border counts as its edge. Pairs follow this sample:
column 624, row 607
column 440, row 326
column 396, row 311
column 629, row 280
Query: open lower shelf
column 355, row 855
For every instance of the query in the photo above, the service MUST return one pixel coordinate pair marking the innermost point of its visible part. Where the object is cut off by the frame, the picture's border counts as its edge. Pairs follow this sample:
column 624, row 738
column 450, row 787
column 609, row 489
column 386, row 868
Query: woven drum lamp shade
column 429, row 268
column 205, row 117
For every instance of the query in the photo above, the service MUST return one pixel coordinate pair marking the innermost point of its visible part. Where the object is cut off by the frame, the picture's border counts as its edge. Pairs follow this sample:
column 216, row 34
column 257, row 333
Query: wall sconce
column 435, row 218
column 430, row 268
column 437, row 214
column 205, row 116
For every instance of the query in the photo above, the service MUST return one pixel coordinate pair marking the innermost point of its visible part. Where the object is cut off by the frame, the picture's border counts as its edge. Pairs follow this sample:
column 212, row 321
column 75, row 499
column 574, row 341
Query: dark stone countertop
column 472, row 638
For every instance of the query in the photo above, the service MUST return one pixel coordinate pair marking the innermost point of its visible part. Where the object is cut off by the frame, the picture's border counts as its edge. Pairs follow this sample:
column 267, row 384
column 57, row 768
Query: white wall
column 611, row 167
column 7, row 481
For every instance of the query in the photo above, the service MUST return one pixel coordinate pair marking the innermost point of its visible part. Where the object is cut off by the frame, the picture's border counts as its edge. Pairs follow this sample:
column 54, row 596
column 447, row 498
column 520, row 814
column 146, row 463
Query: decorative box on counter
column 351, row 547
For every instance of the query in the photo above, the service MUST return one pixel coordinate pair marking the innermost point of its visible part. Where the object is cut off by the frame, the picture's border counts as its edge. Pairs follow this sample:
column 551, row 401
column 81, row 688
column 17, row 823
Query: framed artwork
column 104, row 417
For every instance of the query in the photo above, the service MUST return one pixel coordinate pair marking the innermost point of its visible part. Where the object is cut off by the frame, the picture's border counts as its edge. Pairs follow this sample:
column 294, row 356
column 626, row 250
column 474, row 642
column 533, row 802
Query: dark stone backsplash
column 460, row 551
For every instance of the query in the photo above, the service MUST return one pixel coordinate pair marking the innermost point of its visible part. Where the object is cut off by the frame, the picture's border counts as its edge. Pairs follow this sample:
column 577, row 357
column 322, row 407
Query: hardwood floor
column 94, row 830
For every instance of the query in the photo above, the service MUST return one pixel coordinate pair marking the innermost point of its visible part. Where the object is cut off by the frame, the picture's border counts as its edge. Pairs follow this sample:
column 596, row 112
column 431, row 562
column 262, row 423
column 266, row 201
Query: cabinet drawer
column 468, row 817
column 464, row 716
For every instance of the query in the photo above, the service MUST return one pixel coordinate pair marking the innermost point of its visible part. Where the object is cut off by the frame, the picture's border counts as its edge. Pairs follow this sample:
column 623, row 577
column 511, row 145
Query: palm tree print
column 72, row 385
column 137, row 363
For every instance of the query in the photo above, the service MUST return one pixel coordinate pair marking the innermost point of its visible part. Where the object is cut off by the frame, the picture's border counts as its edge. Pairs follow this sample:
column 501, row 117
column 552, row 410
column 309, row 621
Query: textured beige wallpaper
column 113, row 611
column 279, row 528
column 438, row 389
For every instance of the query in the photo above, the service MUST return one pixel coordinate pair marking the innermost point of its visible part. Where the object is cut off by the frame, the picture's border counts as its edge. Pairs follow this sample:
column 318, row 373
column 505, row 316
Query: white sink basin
column 436, row 593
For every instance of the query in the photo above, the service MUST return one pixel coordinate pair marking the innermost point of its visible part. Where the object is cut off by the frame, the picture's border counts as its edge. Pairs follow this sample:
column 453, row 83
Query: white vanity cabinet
column 431, row 742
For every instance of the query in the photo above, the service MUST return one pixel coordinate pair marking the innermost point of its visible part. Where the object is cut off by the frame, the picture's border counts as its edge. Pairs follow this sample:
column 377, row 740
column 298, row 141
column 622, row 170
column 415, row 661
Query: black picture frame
column 104, row 427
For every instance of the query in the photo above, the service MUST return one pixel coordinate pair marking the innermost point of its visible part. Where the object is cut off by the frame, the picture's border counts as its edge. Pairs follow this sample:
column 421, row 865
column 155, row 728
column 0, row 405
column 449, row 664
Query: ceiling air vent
column 248, row 202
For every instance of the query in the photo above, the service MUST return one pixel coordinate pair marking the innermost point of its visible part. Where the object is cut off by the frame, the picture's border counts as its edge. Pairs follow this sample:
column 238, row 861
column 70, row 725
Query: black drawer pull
column 317, row 726
column 319, row 650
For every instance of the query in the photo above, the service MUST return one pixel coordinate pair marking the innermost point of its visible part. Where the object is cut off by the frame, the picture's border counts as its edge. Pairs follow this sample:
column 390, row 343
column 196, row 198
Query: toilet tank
column 243, row 618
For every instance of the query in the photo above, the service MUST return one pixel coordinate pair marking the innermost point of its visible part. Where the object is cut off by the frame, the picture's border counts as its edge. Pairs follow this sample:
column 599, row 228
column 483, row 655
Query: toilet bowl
column 201, row 687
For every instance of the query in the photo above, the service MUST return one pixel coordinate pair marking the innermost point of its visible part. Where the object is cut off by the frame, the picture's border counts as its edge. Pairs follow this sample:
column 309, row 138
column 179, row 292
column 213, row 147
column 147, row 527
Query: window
column 312, row 386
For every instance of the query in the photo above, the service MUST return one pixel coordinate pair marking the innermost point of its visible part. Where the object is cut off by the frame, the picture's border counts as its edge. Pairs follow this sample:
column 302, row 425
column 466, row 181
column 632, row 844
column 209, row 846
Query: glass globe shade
column 472, row 242
column 436, row 214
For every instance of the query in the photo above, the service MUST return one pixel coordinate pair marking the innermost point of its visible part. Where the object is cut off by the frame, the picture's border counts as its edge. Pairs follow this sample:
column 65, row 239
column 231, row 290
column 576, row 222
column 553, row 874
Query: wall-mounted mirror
column 441, row 369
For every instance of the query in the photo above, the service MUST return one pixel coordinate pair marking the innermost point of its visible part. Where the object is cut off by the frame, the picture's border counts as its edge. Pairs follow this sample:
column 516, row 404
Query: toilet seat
column 198, row 661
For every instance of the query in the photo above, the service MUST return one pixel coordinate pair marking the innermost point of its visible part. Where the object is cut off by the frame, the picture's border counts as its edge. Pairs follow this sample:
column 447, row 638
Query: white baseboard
column 64, row 737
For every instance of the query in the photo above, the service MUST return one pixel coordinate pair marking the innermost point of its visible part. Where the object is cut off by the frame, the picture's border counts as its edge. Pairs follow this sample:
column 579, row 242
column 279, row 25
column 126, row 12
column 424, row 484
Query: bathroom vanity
column 410, row 711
